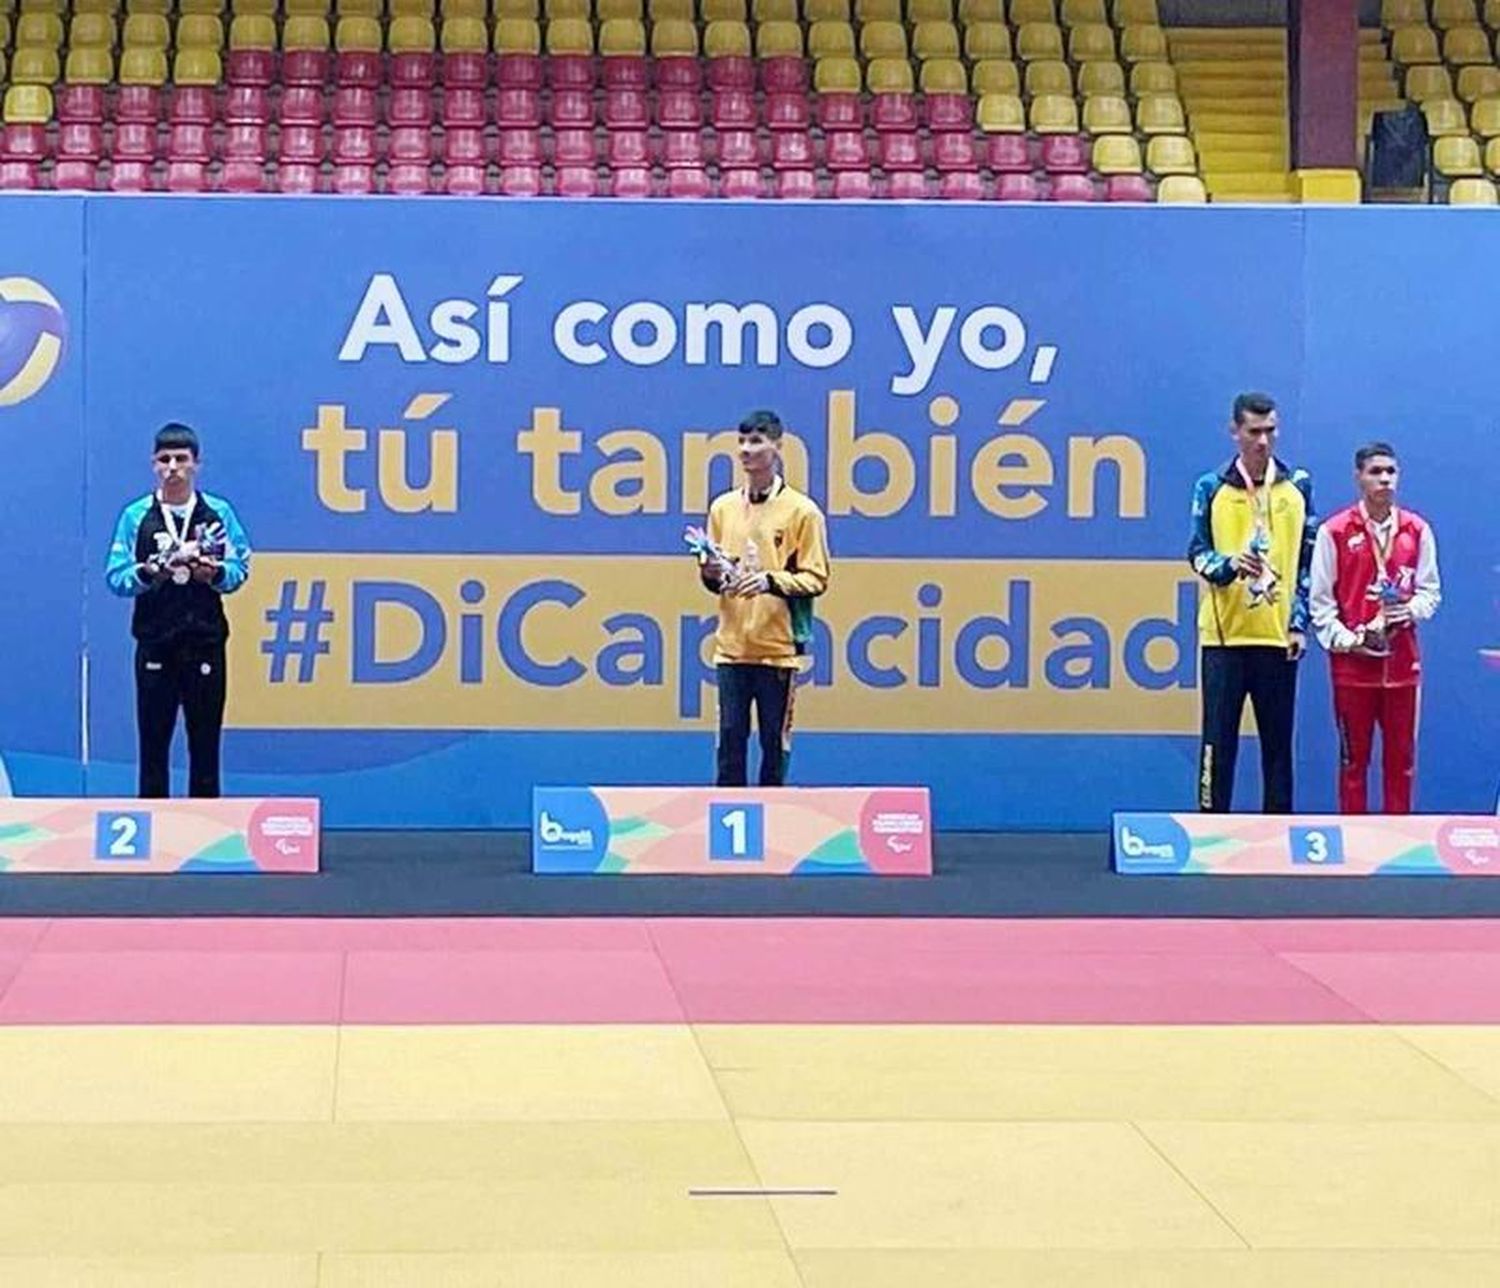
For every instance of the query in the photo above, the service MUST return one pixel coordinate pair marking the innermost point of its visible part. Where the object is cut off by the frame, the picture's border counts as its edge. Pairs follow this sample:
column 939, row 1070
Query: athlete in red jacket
column 1374, row 577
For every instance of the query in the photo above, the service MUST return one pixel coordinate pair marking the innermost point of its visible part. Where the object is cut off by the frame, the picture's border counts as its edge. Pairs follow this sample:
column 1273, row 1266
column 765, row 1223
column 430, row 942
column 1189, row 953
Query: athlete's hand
column 205, row 570
column 154, row 570
column 748, row 585
column 1397, row 614
column 1249, row 565
column 1296, row 646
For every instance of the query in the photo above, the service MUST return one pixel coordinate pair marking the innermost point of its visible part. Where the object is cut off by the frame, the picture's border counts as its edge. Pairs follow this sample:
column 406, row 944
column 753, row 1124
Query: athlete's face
column 1377, row 479
column 757, row 454
column 1255, row 438
column 176, row 468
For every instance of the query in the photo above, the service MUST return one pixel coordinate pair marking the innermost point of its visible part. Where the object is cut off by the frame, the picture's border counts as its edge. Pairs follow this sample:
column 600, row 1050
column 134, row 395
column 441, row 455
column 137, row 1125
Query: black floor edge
column 417, row 874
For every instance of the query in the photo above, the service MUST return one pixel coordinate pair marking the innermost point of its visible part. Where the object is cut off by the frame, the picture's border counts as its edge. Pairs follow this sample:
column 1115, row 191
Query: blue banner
column 466, row 436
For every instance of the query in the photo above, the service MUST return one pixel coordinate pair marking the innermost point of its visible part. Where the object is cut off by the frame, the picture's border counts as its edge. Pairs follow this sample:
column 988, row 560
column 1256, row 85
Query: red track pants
column 1358, row 709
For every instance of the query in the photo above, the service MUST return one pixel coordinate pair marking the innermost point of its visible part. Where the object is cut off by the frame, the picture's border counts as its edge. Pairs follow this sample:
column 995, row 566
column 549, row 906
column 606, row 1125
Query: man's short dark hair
column 1256, row 404
column 762, row 422
column 175, row 437
column 1370, row 451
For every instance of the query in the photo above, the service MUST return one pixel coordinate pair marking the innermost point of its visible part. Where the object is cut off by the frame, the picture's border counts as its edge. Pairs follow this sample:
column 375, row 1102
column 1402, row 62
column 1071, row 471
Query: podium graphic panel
column 238, row 835
column 1372, row 845
column 784, row 831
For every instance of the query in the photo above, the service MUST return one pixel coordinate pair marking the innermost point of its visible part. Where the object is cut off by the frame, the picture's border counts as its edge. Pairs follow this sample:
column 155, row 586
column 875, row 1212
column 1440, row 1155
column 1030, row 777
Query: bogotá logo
column 33, row 335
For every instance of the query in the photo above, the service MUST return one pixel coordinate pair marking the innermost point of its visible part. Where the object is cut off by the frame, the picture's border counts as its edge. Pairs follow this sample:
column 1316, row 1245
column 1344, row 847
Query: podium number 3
column 1317, row 847
column 123, row 832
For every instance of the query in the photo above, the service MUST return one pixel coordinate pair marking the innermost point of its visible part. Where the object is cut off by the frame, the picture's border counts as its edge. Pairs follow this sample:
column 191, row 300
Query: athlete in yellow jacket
column 775, row 541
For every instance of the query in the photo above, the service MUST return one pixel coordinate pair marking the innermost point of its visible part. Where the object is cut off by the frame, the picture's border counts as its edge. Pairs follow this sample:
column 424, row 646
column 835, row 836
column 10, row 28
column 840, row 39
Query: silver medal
column 181, row 576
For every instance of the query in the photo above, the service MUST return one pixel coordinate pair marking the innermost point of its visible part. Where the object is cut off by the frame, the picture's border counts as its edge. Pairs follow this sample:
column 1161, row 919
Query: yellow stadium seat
column 1048, row 77
column 682, row 10
column 1102, row 78
column 1403, row 13
column 944, row 76
column 143, row 67
column 159, row 7
column 1002, row 114
column 1472, row 192
column 1171, row 154
column 109, row 8
column 411, row 36
column 919, row 11
column 1075, row 12
column 464, row 9
column 1143, row 45
column 91, row 31
column 570, row 36
column 253, row 8
column 305, row 32
column 673, row 38
column 877, row 10
column 512, row 36
column 307, row 9
column 1466, row 47
column 1153, row 78
column 935, row 40
column 1117, row 154
column 199, row 31
column 1135, row 13
column 516, row 9
column 1106, row 114
column 780, row 11
column 890, row 76
column 727, row 40
column 1091, row 42
column 252, row 31
column 469, row 36
column 35, row 67
column 357, row 9
column 1410, row 45
column 411, row 9
column 1457, row 158
column 1039, row 40
column 1492, row 14
column 837, row 76
column 146, row 31
column 984, row 40
column 4, row 66
column 1448, row 14
column 579, row 9
column 996, row 76
column 778, row 40
column 981, row 11
column 55, row 7
column 197, row 67
column 39, row 31
column 1426, row 81
column 358, row 36
column 205, row 8
column 1445, row 117
column 830, row 40
column 89, row 67
column 1492, row 156
column 1475, row 83
column 1024, row 11
column 1485, row 118
column 713, row 11
column 1054, row 114
column 824, row 11
column 28, row 105
column 882, row 39
column 4, row 31
column 1182, row 189
column 604, row 10
column 1160, row 114
column 622, row 36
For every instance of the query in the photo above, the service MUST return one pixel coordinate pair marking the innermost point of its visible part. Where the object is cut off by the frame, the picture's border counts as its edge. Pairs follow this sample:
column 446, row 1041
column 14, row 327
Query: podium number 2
column 125, row 830
column 123, row 835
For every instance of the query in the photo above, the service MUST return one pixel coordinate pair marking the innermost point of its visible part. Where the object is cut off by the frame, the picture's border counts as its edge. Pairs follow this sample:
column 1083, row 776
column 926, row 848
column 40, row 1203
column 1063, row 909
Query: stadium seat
column 972, row 11
column 1091, row 42
column 1117, row 154
column 354, row 106
column 742, row 185
column 1475, row 83
column 85, row 31
column 868, row 11
column 1181, row 189
column 920, row 11
column 1038, row 40
column 628, row 150
column 943, row 76
column 1008, row 154
column 1449, row 14
column 1153, row 78
column 738, row 150
column 80, row 149
column 1160, row 114
column 765, row 11
column 300, row 145
column 1403, row 13
column 1472, row 192
column 1411, row 45
column 1072, row 187
column 1002, row 114
column 852, row 185
column 1135, row 13
column 1485, row 118
column 627, row 109
column 1457, row 158
column 301, row 105
column 1445, row 117
column 1024, row 11
column 40, row 67
column 81, row 98
column 1492, row 14
column 792, row 150
column 1054, row 114
column 630, row 182
column 357, row 49
column 953, row 152
column 1492, row 156
column 244, row 159
column 146, row 31
column 39, row 31
column 727, row 45
column 882, row 40
column 622, row 43
column 787, row 112
column 409, row 108
column 570, row 109
column 304, row 58
column 947, row 113
column 996, row 76
column 412, row 43
column 518, row 147
column 839, row 110
column 613, row 10
column 846, row 150
column 252, row 51
column 577, row 181
column 1076, row 12
column 1143, row 45
column 907, row 185
column 1127, row 187
column 518, row 61
column 1171, row 154
column 246, row 105
column 987, row 40
column 1048, row 77
column 1106, row 114
column 519, row 181
column 199, row 31
column 688, row 184
column 932, row 40
column 712, row 10
column 1064, row 154
column 1426, row 82
column 837, row 76
column 679, row 110
column 1103, row 78
column 1467, row 46
column 463, row 109
column 960, row 185
column 899, row 152
column 830, row 40
column 733, row 109
column 465, row 148
column 1017, row 187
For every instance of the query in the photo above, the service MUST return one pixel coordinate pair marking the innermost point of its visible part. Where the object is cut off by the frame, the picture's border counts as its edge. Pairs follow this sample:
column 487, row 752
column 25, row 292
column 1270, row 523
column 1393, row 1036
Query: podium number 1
column 737, row 831
column 734, row 821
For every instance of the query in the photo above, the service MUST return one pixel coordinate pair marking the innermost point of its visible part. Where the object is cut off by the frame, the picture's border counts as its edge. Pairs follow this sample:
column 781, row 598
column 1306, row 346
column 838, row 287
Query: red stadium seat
column 134, row 141
column 678, row 73
column 853, row 185
column 138, row 103
column 846, row 150
column 130, row 176
column 1009, row 154
column 1127, row 187
column 410, row 145
column 80, row 105
column 573, row 149
column 783, row 75
column 353, row 180
column 626, row 109
column 1065, row 154
column 626, row 71
column 839, row 111
column 632, row 181
column 961, row 185
column 75, row 176
column 731, row 74
column 521, row 181
column 900, row 152
column 792, row 150
column 893, row 113
column 80, row 141
column 908, row 185
column 254, row 67
column 738, row 150
column 570, row 71
column 301, row 105
column 954, row 152
column 352, row 106
column 463, row 109
column 413, row 69
column 629, row 150
column 19, row 176
column 245, row 143
column 796, row 185
column 243, row 177
column 734, row 109
column 515, row 109
column 520, row 147
column 187, row 176
column 470, row 70
column 357, row 69
column 407, row 107
column 300, row 145
column 298, row 179
column 246, row 105
column 1073, row 187
column 1017, row 187
column 682, row 150
column 409, row 179
column 742, row 184
column 678, row 109
column 787, row 111
column 193, row 105
column 948, row 113
column 687, row 182
column 466, row 180
column 190, row 142
column 577, row 181
column 571, row 109
column 354, row 145
column 307, row 67
column 466, row 147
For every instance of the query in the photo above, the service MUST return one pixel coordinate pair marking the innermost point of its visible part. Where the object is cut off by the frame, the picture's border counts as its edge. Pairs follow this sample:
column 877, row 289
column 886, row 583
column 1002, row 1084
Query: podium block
column 238, row 835
column 1307, row 845
column 783, row 831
